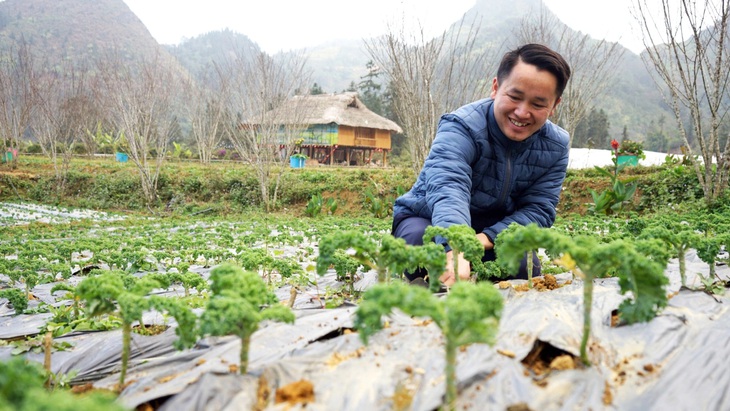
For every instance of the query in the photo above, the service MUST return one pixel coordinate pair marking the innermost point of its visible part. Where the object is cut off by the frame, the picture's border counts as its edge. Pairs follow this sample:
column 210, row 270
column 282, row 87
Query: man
column 495, row 161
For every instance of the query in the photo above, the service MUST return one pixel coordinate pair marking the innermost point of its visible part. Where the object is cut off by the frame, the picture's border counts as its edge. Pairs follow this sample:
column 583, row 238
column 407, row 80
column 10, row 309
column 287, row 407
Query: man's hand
column 449, row 277
column 485, row 241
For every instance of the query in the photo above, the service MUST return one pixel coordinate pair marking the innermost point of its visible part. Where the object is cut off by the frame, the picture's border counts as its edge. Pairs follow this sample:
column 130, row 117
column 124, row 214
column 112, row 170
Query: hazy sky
column 277, row 25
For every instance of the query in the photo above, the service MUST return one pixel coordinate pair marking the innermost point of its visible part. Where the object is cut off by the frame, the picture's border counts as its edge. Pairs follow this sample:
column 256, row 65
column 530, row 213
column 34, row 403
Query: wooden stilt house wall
column 338, row 129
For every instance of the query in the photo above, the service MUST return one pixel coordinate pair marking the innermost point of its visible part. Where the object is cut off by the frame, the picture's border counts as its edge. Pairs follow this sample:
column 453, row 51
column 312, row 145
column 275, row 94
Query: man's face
column 524, row 100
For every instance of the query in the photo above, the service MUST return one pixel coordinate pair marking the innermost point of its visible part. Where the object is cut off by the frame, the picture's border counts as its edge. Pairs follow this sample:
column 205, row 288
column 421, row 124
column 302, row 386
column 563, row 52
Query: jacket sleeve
column 538, row 203
column 448, row 174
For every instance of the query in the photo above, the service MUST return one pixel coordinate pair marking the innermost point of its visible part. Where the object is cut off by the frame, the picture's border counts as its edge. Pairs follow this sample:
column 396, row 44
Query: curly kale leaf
column 468, row 314
column 462, row 239
column 473, row 312
column 381, row 299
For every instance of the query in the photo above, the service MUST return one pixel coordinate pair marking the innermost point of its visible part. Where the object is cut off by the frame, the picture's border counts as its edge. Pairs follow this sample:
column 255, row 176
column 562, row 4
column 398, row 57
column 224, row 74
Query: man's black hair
column 539, row 56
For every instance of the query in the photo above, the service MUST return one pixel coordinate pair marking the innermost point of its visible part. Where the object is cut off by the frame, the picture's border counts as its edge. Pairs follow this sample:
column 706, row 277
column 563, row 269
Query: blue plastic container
column 296, row 162
column 122, row 158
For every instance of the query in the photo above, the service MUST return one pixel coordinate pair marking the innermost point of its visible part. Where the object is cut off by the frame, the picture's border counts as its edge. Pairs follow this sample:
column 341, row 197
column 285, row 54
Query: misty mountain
column 630, row 100
column 80, row 30
column 85, row 30
column 214, row 47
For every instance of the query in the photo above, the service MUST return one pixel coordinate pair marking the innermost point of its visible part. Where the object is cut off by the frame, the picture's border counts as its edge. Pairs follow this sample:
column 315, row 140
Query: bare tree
column 206, row 110
column 64, row 113
column 256, row 86
column 431, row 77
column 17, row 104
column 592, row 63
column 687, row 50
column 140, row 97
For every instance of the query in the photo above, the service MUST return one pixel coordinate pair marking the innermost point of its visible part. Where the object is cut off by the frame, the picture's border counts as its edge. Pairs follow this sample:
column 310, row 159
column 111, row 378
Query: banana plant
column 613, row 199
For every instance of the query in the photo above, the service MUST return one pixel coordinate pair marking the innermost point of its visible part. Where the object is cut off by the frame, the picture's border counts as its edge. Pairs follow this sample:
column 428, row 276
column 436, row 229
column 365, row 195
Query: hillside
column 338, row 63
column 76, row 29
column 631, row 100
column 214, row 47
column 85, row 30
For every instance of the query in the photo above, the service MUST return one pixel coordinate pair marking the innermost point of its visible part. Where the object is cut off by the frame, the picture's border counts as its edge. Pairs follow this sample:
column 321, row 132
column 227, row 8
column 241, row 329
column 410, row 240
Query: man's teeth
column 518, row 124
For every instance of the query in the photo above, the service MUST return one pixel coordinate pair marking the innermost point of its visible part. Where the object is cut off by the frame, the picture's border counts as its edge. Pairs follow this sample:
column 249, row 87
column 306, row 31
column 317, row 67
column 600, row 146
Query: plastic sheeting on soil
column 677, row 361
column 23, row 213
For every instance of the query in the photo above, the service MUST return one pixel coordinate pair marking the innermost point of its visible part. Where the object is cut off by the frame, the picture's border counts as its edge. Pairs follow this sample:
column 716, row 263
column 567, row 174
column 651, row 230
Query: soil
column 301, row 391
column 521, row 406
column 577, row 195
column 549, row 282
column 563, row 362
column 18, row 174
column 544, row 283
column 262, row 394
column 403, row 396
column 607, row 394
column 615, row 319
column 545, row 357
column 348, row 202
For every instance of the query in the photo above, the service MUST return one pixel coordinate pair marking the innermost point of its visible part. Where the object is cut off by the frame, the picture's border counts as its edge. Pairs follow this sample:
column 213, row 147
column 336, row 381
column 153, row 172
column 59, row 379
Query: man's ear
column 555, row 106
column 495, row 87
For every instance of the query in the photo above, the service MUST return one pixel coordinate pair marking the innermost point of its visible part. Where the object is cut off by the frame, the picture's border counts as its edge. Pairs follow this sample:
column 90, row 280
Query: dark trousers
column 411, row 229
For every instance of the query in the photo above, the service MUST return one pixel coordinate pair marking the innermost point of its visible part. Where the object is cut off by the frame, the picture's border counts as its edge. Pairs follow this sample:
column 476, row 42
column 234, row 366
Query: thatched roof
column 344, row 109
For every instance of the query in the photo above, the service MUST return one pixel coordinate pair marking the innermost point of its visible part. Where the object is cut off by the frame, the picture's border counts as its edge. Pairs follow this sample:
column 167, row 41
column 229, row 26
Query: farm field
column 319, row 360
column 105, row 295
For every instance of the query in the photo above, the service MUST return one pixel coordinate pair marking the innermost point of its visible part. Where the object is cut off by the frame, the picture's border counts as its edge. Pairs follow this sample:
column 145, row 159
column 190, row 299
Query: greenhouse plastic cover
column 677, row 361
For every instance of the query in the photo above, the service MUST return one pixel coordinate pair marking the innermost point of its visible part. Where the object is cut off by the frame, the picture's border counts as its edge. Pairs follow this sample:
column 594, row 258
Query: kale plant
column 680, row 237
column 462, row 239
column 388, row 257
column 117, row 292
column 468, row 314
column 16, row 297
column 588, row 258
column 516, row 241
column 22, row 388
column 240, row 301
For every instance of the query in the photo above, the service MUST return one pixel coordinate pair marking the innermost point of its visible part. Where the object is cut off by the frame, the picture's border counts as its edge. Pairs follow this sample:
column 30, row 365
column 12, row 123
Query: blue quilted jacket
column 475, row 175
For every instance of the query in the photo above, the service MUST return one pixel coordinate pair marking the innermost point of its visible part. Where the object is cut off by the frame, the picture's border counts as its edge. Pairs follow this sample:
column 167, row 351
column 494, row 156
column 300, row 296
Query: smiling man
column 493, row 162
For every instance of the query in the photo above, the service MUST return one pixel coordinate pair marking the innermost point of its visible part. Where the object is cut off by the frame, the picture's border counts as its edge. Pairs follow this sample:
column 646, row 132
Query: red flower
column 614, row 144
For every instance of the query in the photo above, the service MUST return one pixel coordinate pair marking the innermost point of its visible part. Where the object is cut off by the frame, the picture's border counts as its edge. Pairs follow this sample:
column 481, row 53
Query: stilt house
column 338, row 129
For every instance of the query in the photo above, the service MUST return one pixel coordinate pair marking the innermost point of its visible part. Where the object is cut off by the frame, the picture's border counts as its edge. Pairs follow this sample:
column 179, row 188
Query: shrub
column 629, row 148
column 78, row 149
column 34, row 148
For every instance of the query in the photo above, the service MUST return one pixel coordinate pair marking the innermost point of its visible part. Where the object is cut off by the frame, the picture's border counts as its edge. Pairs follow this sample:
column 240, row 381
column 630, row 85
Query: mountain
column 74, row 29
column 216, row 46
column 338, row 63
column 630, row 100
column 86, row 29
column 633, row 100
